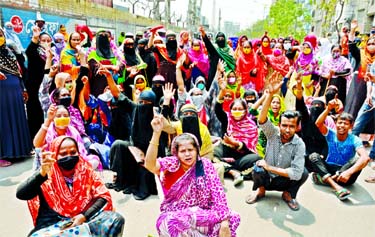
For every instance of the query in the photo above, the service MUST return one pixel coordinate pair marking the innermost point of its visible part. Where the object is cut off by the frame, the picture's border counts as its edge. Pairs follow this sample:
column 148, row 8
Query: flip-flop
column 292, row 203
column 317, row 179
column 343, row 194
column 370, row 179
column 253, row 198
column 238, row 180
column 4, row 163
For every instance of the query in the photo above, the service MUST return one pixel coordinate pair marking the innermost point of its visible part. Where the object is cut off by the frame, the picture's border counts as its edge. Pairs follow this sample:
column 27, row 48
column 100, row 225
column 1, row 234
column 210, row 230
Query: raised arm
column 322, row 117
column 111, row 83
column 274, row 86
column 151, row 162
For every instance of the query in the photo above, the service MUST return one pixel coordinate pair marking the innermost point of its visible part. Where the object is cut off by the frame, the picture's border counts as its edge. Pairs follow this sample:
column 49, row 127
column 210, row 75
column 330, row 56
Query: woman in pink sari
column 195, row 202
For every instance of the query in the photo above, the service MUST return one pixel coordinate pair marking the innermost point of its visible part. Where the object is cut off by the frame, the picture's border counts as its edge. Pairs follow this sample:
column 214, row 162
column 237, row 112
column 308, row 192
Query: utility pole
column 156, row 10
column 219, row 24
column 168, row 12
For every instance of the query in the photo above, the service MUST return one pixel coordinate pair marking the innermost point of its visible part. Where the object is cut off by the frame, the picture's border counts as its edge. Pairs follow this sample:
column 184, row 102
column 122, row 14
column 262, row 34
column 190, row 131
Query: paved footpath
column 321, row 213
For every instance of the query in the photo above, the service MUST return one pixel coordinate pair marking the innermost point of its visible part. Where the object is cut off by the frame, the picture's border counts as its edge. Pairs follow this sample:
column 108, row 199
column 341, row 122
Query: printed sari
column 195, row 204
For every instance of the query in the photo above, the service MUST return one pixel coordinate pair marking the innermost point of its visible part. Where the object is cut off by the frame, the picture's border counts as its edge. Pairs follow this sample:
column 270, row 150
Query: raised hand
column 157, row 123
column 221, row 65
column 168, row 91
column 201, row 29
column 47, row 161
column 51, row 112
column 274, row 83
column 36, row 32
column 333, row 104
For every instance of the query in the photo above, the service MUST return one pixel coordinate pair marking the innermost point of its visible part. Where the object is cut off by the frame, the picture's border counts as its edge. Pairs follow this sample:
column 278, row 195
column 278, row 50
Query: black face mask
column 130, row 51
column 190, row 124
column 66, row 101
column 158, row 90
column 220, row 43
column 68, row 163
column 250, row 101
column 315, row 111
column 141, row 50
column 171, row 44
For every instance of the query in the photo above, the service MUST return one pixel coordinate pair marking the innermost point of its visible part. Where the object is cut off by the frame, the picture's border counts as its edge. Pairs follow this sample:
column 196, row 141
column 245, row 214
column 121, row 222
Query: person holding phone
column 66, row 195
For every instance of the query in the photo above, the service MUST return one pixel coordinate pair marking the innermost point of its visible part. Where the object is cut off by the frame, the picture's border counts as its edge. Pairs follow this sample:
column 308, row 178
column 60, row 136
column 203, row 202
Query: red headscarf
column 227, row 103
column 266, row 50
column 245, row 64
column 87, row 186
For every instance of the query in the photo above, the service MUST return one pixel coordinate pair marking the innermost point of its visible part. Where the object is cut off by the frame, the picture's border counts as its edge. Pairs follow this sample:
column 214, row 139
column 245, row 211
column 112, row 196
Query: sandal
column 343, row 194
column 5, row 163
column 317, row 179
column 253, row 198
column 370, row 179
column 238, row 180
column 291, row 202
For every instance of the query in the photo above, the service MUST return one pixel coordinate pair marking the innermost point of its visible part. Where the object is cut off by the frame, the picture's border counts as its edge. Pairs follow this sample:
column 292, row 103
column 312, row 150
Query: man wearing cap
column 126, row 156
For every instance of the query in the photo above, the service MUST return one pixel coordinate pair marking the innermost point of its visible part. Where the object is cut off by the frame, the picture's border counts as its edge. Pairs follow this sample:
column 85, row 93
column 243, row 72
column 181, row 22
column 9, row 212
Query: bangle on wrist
column 44, row 127
column 153, row 143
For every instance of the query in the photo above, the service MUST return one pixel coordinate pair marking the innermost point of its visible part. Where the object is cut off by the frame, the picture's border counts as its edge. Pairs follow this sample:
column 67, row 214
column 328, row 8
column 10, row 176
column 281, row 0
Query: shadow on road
column 273, row 208
column 16, row 169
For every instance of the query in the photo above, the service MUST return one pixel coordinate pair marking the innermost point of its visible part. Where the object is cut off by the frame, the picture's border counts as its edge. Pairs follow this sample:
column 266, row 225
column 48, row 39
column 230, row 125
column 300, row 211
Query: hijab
column 8, row 61
column 200, row 58
column 103, row 48
column 87, row 187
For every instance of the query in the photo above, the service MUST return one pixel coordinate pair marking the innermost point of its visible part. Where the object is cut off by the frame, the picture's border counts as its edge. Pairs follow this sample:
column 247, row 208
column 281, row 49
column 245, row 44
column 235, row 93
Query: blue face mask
column 201, row 86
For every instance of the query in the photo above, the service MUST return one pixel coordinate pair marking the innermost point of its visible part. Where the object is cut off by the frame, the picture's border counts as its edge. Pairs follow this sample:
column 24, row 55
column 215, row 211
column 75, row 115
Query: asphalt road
column 321, row 213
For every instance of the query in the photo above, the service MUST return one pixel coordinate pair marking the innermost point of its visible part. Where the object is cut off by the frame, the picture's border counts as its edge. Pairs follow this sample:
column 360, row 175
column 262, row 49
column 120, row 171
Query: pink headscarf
column 201, row 58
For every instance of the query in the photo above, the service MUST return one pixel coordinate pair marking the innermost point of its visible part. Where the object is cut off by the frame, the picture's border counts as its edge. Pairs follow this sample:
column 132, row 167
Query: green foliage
column 285, row 17
column 328, row 11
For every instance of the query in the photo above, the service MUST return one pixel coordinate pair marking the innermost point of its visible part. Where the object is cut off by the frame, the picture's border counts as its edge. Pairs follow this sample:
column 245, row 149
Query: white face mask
column 197, row 100
column 287, row 46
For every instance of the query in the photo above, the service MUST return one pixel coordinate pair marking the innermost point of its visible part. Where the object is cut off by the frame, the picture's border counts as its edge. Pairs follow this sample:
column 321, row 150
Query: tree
column 285, row 17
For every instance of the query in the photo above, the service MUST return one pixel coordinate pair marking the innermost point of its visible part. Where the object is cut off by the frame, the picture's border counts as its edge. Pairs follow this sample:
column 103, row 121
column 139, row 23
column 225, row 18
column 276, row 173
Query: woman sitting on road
column 67, row 196
column 57, row 124
column 195, row 202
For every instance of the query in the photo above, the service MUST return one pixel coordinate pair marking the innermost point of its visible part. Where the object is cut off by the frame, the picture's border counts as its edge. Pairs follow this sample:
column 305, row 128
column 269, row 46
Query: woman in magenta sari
column 199, row 60
column 195, row 202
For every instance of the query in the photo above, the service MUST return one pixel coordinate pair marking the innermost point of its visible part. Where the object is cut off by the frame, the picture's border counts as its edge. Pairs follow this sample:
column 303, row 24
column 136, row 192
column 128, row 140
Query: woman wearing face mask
column 140, row 84
column 277, row 60
column 306, row 64
column 364, row 58
column 234, row 84
column 238, row 51
column 199, row 62
column 335, row 70
column 36, row 54
column 66, row 196
column 238, row 147
column 106, row 56
column 15, row 141
column 61, row 96
column 135, row 66
column 57, row 124
column 221, row 51
column 248, row 68
column 266, row 44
